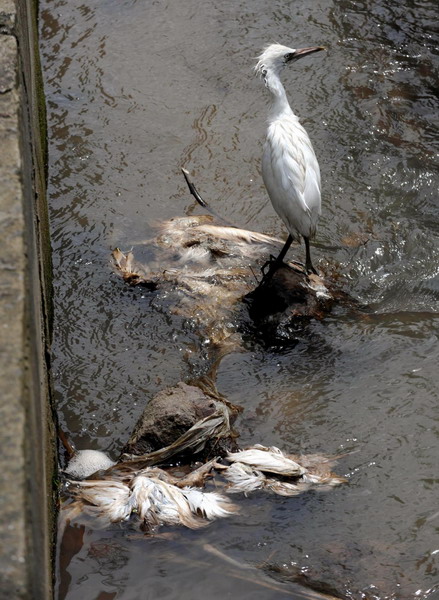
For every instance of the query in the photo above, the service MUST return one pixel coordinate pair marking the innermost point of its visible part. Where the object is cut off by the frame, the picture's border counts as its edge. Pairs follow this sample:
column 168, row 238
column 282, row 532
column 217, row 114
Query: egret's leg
column 308, row 264
column 274, row 264
column 284, row 250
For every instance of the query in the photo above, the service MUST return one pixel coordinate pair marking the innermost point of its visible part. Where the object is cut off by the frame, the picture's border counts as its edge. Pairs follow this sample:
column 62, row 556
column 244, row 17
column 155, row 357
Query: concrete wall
column 27, row 433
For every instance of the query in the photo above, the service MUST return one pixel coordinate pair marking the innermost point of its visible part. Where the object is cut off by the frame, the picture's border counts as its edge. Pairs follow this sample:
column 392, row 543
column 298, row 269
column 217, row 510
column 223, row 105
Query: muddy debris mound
column 290, row 297
column 208, row 273
column 193, row 424
column 290, row 293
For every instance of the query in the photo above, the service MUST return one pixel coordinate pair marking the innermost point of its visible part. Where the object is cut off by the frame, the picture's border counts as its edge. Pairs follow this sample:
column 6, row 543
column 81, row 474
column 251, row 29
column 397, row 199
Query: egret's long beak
column 301, row 52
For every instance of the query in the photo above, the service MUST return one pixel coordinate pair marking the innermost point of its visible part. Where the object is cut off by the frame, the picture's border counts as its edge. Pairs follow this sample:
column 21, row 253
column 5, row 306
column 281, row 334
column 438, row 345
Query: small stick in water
column 68, row 447
column 193, row 190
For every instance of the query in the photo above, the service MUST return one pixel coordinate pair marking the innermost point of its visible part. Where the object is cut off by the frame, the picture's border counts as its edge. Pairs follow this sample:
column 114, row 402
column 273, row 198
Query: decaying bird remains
column 185, row 422
column 156, row 497
column 208, row 270
column 156, row 487
column 261, row 468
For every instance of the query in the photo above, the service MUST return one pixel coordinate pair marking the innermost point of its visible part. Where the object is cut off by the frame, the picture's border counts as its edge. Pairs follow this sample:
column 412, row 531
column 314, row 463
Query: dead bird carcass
column 208, row 268
column 179, row 426
column 262, row 468
column 146, row 485
column 151, row 494
column 157, row 497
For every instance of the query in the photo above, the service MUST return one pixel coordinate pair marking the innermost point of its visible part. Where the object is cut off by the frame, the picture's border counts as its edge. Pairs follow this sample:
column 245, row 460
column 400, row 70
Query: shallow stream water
column 135, row 91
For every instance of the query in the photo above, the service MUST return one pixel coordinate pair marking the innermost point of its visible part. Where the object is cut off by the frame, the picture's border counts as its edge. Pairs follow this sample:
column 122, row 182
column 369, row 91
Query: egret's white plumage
column 289, row 165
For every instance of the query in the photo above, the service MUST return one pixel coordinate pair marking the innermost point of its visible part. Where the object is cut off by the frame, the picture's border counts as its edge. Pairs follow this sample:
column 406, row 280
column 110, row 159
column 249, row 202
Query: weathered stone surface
column 8, row 63
column 169, row 415
column 26, row 426
column 13, row 571
column 7, row 16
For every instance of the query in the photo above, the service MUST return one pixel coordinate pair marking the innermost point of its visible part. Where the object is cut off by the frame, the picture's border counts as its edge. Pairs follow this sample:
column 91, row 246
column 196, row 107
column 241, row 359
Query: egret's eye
column 288, row 56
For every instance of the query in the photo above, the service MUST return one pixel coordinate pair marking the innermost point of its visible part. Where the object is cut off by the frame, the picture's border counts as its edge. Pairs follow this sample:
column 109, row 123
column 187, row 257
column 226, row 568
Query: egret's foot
column 273, row 264
column 270, row 263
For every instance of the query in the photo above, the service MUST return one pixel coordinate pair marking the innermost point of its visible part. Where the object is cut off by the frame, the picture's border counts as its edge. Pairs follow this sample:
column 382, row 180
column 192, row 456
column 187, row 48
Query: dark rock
column 170, row 414
column 288, row 297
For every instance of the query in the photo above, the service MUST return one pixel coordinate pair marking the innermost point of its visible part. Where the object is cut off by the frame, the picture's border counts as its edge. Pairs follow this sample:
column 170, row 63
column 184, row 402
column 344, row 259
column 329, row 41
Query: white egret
column 289, row 165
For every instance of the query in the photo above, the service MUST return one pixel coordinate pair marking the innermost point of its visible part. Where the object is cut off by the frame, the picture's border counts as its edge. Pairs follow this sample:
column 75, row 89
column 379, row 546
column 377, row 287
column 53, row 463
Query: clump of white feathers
column 259, row 467
column 157, row 498
column 151, row 495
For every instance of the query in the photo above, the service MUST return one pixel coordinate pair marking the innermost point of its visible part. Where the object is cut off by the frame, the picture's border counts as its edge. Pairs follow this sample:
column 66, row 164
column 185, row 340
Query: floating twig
column 193, row 190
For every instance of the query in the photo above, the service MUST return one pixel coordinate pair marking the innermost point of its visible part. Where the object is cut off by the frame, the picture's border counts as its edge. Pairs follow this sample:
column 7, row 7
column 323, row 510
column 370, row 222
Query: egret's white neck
column 280, row 105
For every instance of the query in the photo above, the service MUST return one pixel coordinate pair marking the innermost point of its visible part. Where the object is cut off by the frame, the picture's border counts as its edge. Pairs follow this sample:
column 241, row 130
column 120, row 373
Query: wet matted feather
column 260, row 467
column 213, row 427
column 270, row 459
column 151, row 495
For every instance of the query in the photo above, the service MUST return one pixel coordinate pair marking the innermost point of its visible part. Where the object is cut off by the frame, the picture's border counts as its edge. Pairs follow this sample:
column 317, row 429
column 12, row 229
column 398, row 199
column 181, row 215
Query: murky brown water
column 136, row 90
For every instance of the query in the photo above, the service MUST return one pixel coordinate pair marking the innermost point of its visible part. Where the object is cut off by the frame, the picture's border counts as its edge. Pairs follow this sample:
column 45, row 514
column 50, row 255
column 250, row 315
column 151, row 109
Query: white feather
column 143, row 489
column 209, row 504
column 149, row 494
column 107, row 501
column 285, row 488
column 235, row 234
column 291, row 175
column 324, row 481
column 270, row 460
column 244, row 479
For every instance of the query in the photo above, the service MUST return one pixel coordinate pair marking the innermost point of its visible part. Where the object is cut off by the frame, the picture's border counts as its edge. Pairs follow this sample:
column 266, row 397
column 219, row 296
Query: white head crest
column 275, row 57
